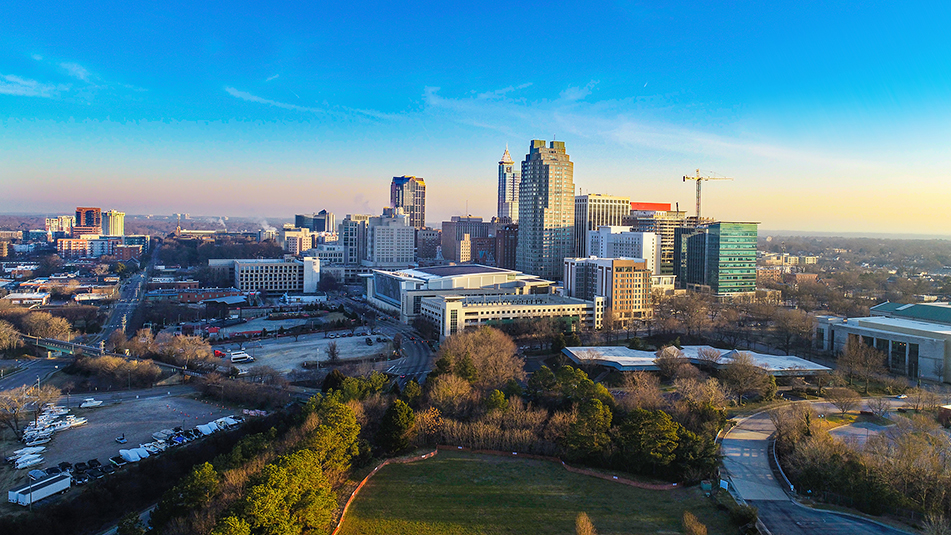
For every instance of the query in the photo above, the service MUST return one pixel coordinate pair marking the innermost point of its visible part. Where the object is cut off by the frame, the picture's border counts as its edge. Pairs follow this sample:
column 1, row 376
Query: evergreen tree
column 395, row 426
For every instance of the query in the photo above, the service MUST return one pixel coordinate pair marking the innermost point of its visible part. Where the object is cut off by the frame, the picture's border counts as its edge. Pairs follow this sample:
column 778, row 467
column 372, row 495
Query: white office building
column 618, row 242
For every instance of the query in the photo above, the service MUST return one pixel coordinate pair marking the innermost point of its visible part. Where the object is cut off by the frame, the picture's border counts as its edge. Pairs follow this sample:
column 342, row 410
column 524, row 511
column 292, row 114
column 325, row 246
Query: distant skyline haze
column 829, row 117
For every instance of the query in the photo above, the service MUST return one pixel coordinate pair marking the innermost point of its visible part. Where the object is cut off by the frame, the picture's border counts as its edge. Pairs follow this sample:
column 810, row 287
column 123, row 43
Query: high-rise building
column 617, row 242
column 717, row 257
column 624, row 283
column 88, row 221
column 113, row 223
column 457, row 227
column 428, row 242
column 391, row 241
column 352, row 235
column 409, row 193
column 322, row 221
column 62, row 225
column 546, row 210
column 509, row 180
column 595, row 210
column 506, row 244
column 661, row 220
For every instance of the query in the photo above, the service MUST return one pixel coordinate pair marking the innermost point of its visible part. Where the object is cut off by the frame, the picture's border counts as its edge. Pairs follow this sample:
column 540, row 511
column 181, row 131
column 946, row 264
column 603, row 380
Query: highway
column 31, row 370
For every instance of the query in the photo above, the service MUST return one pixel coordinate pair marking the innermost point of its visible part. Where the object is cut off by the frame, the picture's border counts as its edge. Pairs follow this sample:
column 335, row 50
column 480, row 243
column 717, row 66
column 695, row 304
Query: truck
column 39, row 489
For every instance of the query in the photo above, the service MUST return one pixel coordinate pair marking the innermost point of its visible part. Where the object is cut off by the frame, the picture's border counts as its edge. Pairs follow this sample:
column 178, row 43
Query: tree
column 742, row 376
column 588, row 435
column 9, row 336
column 584, row 526
column 411, row 392
column 495, row 401
column 542, row 381
column 333, row 353
column 878, row 406
column 44, row 325
column 669, row 360
column 131, row 524
column 333, row 381
column 449, row 393
column 646, row 440
column 394, row 428
column 844, row 399
column 40, row 396
column 12, row 404
column 693, row 526
column 193, row 492
column 642, row 391
column 860, row 360
column 493, row 354
column 793, row 329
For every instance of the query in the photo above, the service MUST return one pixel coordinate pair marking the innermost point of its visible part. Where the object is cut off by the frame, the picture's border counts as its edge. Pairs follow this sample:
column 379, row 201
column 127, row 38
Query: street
column 30, row 371
column 746, row 460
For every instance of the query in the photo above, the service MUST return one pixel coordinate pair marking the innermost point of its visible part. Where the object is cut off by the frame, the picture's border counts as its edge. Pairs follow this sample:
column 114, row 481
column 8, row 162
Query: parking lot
column 285, row 354
column 137, row 419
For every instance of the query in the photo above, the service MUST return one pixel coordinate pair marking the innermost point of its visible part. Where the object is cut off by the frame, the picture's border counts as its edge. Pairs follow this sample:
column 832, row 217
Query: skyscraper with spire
column 546, row 211
column 509, row 180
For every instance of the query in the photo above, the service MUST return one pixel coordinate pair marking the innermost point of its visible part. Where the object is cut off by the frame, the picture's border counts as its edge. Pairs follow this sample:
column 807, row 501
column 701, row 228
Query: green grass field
column 458, row 493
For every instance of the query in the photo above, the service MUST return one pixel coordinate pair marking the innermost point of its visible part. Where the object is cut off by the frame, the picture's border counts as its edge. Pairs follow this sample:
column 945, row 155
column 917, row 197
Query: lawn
column 456, row 493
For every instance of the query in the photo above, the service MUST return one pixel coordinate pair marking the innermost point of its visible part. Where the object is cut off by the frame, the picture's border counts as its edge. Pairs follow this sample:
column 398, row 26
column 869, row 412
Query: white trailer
column 39, row 489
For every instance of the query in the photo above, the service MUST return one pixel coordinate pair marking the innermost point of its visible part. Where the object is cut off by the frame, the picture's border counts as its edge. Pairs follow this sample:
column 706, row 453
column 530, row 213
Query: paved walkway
column 745, row 457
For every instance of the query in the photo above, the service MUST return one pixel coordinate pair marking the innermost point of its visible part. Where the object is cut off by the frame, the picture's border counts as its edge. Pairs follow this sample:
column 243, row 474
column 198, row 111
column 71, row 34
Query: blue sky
column 830, row 117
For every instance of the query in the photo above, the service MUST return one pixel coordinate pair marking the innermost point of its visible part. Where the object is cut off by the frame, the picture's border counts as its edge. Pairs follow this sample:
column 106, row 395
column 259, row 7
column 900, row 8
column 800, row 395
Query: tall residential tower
column 509, row 180
column 546, row 211
column 409, row 193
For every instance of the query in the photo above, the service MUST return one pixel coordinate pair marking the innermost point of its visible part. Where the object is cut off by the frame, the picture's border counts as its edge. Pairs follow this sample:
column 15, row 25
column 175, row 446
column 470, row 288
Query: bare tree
column 12, row 404
column 492, row 353
column 44, row 325
column 878, row 406
column 742, row 376
column 642, row 391
column 333, row 352
column 844, row 399
column 9, row 336
column 709, row 357
column 668, row 360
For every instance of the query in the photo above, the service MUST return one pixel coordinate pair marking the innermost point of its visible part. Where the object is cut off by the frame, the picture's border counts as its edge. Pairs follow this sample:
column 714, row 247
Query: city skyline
column 259, row 113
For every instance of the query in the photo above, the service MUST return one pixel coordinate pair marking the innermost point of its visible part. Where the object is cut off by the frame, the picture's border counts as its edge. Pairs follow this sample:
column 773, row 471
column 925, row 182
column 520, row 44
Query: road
column 30, row 371
column 746, row 459
column 129, row 297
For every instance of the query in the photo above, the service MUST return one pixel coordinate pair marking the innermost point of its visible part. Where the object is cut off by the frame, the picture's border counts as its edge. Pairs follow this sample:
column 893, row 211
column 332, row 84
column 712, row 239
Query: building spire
column 507, row 158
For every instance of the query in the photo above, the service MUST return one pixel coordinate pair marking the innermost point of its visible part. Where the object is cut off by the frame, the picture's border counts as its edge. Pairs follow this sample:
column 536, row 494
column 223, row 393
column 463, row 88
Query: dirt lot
column 285, row 355
column 138, row 419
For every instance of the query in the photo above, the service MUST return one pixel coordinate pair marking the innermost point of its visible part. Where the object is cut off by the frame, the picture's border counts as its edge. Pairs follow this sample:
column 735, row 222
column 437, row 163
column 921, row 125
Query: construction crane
column 700, row 180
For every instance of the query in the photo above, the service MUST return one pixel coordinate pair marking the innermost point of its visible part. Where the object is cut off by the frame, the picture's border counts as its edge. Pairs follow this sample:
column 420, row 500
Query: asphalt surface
column 30, row 371
column 746, row 459
column 129, row 297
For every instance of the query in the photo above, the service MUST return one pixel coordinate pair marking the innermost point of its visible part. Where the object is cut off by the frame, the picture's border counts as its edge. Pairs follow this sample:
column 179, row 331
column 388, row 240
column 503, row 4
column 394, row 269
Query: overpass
column 74, row 349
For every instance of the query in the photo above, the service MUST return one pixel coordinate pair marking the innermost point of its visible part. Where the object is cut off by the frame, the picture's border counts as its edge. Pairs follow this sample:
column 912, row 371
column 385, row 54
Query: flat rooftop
column 885, row 322
column 453, row 271
column 629, row 360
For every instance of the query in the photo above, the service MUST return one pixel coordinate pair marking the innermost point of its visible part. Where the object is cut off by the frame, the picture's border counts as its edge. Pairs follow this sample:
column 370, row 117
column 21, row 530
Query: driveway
column 745, row 458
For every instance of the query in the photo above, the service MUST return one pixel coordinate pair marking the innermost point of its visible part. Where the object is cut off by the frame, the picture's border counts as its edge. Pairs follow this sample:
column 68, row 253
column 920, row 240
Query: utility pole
column 701, row 179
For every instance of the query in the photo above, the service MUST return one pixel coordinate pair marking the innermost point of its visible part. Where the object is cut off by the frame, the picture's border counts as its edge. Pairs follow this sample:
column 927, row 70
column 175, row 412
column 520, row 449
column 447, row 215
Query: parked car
column 80, row 468
column 108, row 469
column 121, row 439
column 95, row 473
column 93, row 463
column 118, row 461
column 53, row 470
column 80, row 479
column 66, row 466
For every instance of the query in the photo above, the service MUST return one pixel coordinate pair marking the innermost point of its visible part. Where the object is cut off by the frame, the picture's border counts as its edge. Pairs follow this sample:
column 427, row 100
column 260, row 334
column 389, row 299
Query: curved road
column 746, row 459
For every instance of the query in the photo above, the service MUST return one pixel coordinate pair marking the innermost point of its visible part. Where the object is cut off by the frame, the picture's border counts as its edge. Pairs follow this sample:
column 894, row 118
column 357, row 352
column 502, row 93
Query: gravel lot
column 138, row 419
column 285, row 355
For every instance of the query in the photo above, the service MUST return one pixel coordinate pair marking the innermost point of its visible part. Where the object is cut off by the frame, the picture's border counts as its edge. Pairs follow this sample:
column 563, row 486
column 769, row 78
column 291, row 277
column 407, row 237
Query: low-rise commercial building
column 402, row 291
column 454, row 313
column 26, row 299
column 915, row 338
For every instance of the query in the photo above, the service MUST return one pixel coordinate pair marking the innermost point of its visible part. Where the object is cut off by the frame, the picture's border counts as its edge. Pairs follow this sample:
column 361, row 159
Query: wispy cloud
column 76, row 71
column 14, row 85
column 37, row 57
column 272, row 77
column 617, row 123
column 499, row 93
column 573, row 94
column 283, row 105
column 133, row 87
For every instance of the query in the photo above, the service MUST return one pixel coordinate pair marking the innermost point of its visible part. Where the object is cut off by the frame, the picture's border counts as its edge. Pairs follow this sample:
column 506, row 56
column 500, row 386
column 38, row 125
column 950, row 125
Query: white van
column 240, row 356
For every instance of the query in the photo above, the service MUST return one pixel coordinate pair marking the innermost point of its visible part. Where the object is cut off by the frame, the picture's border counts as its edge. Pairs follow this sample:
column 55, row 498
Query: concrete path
column 745, row 450
column 745, row 457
